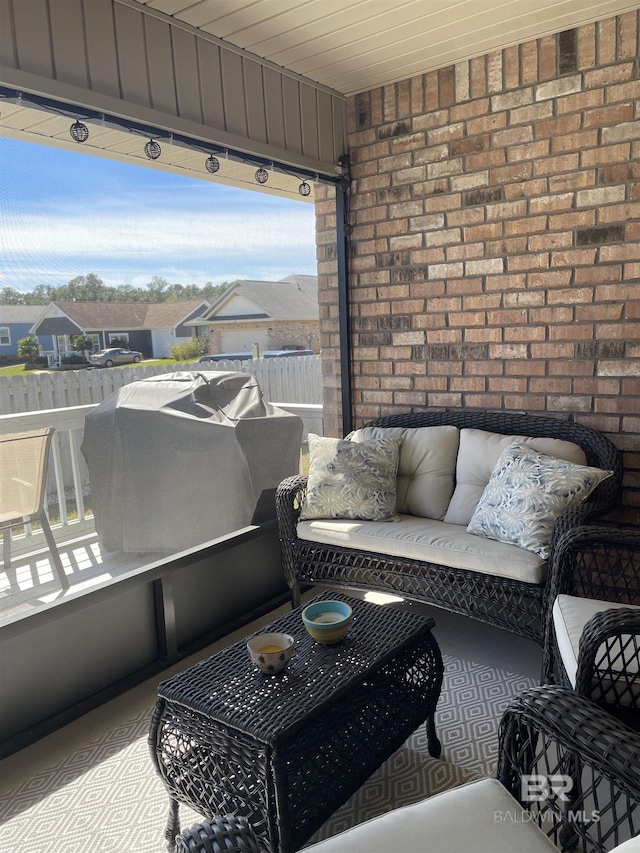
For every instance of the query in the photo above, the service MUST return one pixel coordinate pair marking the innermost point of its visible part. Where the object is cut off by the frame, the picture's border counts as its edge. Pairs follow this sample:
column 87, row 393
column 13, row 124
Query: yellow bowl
column 271, row 652
column 327, row 621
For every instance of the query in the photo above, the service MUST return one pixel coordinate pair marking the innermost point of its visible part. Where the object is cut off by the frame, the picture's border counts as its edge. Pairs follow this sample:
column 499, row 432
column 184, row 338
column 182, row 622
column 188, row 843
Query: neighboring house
column 152, row 328
column 270, row 314
column 15, row 323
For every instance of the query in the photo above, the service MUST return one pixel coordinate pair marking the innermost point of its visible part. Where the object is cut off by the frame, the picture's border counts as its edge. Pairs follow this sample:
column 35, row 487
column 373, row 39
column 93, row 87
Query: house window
column 95, row 342
column 5, row 336
column 117, row 339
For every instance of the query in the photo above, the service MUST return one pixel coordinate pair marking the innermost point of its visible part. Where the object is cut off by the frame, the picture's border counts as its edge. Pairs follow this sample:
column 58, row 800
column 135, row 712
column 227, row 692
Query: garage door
column 243, row 341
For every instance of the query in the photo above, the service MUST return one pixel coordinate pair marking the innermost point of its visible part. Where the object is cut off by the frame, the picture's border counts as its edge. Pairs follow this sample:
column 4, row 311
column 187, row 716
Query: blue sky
column 65, row 214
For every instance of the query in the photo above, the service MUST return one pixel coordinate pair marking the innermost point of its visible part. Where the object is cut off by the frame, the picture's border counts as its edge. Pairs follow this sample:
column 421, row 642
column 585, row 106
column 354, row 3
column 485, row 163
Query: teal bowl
column 327, row 621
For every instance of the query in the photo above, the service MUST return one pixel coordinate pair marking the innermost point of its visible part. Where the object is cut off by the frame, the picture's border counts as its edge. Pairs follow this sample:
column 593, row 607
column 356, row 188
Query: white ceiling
column 355, row 45
column 346, row 45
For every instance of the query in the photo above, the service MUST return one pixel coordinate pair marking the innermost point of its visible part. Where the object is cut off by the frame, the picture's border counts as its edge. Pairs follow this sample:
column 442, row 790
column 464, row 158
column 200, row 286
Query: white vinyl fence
column 297, row 379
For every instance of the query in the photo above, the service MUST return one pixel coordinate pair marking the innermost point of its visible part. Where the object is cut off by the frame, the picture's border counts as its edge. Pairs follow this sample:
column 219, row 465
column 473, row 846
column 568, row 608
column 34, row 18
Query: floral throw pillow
column 349, row 479
column 526, row 493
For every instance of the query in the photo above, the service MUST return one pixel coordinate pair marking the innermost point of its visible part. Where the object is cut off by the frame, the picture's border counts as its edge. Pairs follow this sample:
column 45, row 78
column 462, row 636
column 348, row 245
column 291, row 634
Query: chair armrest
column 226, row 834
column 610, row 643
column 587, row 759
column 596, row 562
column 289, row 497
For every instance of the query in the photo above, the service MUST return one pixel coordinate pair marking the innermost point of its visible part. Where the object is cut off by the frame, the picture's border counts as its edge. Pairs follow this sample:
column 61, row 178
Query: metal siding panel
column 309, row 115
column 7, row 43
column 292, row 126
column 33, row 37
column 211, row 84
column 233, row 93
column 68, row 43
column 325, row 126
column 132, row 59
column 161, row 79
column 185, row 69
column 274, row 107
column 101, row 48
column 339, row 127
column 254, row 96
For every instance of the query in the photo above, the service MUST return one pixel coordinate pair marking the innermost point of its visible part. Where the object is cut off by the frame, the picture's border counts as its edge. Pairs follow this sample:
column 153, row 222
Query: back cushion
column 477, row 457
column 427, row 466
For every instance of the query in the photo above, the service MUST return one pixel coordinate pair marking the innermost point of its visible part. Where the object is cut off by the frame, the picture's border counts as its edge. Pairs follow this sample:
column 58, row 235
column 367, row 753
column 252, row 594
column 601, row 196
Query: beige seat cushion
column 431, row 541
column 570, row 615
column 481, row 817
column 477, row 456
column 427, row 466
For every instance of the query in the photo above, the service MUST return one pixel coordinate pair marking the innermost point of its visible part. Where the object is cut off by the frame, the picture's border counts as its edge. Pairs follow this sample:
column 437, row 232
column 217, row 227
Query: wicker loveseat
column 495, row 583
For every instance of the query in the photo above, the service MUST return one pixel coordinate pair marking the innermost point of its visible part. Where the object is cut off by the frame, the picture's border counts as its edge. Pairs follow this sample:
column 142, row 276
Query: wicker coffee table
column 287, row 750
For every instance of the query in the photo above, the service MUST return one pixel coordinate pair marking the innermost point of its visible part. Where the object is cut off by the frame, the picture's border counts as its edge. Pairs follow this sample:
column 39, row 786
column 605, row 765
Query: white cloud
column 164, row 233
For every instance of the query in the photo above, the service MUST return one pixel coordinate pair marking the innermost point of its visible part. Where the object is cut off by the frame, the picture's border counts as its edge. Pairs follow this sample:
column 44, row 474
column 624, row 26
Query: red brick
column 478, row 73
column 553, row 165
column 628, row 34
column 547, row 54
column 512, row 246
column 608, row 115
column 529, row 262
column 586, row 46
column 529, row 53
column 575, row 142
column 529, row 225
column 580, row 101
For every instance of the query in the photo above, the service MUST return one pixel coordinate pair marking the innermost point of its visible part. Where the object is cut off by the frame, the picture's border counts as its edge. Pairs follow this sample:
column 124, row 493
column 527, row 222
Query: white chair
column 24, row 460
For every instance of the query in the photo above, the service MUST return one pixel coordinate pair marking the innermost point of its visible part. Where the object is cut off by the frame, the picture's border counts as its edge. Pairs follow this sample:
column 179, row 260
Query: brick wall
column 495, row 252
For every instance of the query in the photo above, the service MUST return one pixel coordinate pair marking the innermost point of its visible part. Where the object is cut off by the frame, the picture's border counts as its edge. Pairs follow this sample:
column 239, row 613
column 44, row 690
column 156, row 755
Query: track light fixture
column 152, row 149
column 212, row 164
column 79, row 131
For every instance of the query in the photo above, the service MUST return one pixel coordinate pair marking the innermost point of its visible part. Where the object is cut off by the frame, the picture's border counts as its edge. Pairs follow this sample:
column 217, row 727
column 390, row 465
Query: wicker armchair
column 592, row 631
column 565, row 764
column 510, row 604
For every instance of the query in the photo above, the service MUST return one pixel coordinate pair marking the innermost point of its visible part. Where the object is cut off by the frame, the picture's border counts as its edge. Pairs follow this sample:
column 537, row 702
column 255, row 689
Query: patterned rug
column 106, row 798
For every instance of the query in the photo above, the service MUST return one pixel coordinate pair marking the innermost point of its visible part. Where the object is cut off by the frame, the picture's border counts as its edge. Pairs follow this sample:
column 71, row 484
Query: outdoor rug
column 106, row 798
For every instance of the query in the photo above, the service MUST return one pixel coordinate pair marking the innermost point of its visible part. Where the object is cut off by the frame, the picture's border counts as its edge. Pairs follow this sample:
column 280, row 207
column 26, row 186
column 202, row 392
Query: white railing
column 68, row 480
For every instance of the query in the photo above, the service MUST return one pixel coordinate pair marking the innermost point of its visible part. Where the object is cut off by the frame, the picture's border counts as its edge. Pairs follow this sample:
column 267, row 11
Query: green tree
column 29, row 348
column 82, row 343
column 10, row 296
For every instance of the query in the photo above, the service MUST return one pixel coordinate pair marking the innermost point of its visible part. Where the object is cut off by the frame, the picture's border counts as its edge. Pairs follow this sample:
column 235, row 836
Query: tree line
column 91, row 288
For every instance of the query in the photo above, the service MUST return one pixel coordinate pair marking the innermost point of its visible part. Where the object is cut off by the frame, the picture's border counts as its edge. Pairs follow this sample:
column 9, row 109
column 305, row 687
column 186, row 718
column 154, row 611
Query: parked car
column 245, row 356
column 114, row 355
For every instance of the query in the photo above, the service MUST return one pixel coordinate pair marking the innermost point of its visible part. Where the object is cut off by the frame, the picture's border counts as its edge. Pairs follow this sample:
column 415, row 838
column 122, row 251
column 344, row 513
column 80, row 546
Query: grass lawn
column 18, row 369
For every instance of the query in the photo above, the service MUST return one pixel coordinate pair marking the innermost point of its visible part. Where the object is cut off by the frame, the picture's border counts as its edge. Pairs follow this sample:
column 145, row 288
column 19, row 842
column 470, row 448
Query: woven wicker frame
column 286, row 751
column 552, row 731
column 505, row 603
column 600, row 563
column 547, row 732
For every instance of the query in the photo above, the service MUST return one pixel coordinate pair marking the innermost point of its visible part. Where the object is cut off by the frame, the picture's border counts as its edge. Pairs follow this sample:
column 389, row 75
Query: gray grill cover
column 178, row 459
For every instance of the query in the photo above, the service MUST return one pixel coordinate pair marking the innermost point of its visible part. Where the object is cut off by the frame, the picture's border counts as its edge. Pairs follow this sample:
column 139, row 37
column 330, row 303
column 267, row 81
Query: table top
column 227, row 687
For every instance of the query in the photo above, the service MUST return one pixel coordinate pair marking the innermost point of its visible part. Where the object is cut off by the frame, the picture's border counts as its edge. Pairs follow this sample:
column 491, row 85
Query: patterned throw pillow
column 349, row 479
column 526, row 493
